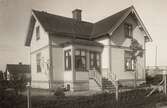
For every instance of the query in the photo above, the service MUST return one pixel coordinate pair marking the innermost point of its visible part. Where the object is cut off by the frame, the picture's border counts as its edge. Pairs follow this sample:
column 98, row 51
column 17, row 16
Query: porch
column 82, row 65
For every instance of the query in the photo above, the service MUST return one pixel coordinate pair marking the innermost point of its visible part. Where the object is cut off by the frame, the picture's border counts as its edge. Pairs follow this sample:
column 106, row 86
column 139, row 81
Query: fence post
column 28, row 95
column 165, row 84
column 116, row 91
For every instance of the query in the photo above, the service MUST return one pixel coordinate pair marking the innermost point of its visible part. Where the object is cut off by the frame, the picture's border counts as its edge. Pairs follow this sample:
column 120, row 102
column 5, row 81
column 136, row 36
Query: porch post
column 51, row 63
column 109, row 53
column 73, row 66
column 28, row 95
column 164, row 78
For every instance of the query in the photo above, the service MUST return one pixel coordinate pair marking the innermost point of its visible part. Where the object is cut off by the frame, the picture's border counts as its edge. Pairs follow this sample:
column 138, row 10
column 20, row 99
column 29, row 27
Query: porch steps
column 107, row 85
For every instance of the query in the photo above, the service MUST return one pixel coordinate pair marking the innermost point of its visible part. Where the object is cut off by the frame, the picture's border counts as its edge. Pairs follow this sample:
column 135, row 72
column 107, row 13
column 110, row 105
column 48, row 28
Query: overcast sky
column 15, row 15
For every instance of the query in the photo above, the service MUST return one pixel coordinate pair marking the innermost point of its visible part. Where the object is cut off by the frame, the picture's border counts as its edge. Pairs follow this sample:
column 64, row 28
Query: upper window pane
column 82, row 53
column 67, row 58
column 37, row 33
column 77, row 52
column 95, row 60
column 128, row 30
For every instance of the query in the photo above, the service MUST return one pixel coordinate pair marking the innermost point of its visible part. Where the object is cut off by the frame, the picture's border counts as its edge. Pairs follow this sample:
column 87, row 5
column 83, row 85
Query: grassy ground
column 129, row 99
column 45, row 92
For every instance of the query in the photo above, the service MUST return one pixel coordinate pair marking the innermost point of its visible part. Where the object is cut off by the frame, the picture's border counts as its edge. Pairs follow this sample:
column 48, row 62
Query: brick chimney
column 77, row 14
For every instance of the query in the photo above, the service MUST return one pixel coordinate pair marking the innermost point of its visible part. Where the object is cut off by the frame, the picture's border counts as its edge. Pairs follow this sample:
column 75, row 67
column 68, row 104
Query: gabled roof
column 54, row 24
column 18, row 68
column 103, row 26
column 59, row 24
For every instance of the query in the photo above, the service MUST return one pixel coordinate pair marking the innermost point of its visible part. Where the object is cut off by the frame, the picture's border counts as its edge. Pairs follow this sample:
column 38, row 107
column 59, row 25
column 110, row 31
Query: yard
column 129, row 99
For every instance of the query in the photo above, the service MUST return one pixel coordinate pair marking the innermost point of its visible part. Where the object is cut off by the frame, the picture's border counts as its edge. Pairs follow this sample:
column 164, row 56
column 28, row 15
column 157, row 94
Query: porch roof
column 82, row 42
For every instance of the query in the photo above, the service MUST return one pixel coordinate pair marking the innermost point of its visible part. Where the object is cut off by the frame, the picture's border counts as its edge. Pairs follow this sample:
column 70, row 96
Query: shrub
column 18, row 83
column 59, row 92
column 153, row 79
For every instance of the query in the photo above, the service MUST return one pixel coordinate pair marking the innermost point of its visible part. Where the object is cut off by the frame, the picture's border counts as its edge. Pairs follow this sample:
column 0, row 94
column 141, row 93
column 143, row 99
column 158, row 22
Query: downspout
column 109, row 52
column 30, row 67
column 51, row 63
column 144, row 74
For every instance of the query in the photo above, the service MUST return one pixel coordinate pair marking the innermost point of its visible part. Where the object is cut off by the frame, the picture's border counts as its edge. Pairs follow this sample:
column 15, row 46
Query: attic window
column 128, row 30
column 37, row 33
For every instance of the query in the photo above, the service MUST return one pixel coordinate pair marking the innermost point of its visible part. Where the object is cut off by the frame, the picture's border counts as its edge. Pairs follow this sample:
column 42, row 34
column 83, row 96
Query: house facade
column 79, row 55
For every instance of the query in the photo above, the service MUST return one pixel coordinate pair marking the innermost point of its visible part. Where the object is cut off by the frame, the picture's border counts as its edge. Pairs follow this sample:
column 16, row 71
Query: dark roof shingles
column 108, row 23
column 19, row 68
column 59, row 24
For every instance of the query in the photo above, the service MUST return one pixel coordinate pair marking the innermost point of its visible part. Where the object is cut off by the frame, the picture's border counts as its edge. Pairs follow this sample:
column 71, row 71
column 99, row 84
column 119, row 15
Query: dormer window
column 128, row 28
column 37, row 33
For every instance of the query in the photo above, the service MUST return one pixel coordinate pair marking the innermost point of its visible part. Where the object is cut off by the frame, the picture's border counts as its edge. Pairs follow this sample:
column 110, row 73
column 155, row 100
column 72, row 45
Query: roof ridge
column 45, row 12
column 114, row 14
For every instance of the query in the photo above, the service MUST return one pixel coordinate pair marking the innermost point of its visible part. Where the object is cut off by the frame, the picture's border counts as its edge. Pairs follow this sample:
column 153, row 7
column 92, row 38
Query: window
column 67, row 58
column 80, row 60
column 129, row 65
column 95, row 60
column 37, row 33
column 38, row 60
column 128, row 30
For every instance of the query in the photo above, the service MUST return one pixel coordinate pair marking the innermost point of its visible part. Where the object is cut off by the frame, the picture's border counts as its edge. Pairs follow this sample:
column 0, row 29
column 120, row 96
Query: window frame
column 37, row 32
column 80, row 57
column 38, row 62
column 68, row 57
column 131, row 61
column 128, row 30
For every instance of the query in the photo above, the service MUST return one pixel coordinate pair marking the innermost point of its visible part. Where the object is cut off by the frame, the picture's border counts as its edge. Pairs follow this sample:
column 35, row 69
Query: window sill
column 81, row 71
column 129, row 70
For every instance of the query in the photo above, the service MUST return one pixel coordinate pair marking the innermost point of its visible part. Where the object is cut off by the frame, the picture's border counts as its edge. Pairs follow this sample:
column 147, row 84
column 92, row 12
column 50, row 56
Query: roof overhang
column 30, row 31
column 81, row 42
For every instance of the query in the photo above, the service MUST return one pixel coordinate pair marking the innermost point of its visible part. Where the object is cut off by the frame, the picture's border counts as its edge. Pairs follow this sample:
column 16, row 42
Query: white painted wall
column 58, row 64
column 118, row 39
column 82, row 76
column 40, row 46
column 42, row 42
column 105, row 57
column 44, row 74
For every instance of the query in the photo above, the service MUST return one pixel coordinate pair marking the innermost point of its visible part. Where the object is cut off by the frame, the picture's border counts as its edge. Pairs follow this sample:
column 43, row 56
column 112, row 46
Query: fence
column 131, row 99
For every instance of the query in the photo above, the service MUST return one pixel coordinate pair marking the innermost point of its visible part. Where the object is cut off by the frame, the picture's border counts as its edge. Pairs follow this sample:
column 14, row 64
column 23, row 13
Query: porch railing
column 111, row 76
column 94, row 74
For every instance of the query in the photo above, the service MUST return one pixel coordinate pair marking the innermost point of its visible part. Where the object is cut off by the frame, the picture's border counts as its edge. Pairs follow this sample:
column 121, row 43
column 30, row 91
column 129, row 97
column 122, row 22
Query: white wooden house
column 82, row 55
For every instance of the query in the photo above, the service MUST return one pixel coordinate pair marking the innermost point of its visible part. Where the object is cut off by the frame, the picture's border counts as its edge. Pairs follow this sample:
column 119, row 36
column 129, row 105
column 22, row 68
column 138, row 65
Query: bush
column 18, row 83
column 59, row 92
column 153, row 79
